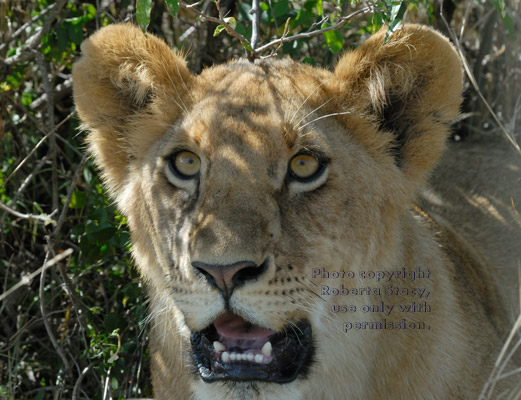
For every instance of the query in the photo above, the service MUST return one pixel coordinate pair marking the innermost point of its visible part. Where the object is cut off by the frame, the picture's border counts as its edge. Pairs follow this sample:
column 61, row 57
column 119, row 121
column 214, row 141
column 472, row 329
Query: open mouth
column 234, row 349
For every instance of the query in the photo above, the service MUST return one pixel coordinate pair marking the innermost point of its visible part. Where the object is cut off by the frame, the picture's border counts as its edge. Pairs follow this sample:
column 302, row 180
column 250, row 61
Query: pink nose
column 227, row 277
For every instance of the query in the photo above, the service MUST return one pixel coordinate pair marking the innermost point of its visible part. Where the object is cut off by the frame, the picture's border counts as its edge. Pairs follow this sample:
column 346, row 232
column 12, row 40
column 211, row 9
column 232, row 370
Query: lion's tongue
column 232, row 327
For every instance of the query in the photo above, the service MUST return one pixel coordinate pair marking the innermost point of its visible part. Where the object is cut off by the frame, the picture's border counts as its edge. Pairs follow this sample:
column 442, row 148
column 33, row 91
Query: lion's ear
column 410, row 87
column 128, row 89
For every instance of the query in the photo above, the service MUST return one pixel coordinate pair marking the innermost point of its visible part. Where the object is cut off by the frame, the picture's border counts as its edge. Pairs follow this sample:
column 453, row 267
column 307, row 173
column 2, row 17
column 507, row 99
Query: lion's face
column 234, row 207
column 239, row 184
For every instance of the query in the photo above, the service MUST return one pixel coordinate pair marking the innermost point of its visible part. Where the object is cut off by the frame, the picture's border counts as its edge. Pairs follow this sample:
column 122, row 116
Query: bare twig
column 26, row 280
column 34, row 41
column 219, row 21
column 45, row 318
column 77, row 385
column 61, row 90
column 284, row 34
column 305, row 35
column 40, row 142
column 273, row 16
column 50, row 124
column 72, row 186
column 47, row 219
column 474, row 83
column 22, row 29
column 255, row 19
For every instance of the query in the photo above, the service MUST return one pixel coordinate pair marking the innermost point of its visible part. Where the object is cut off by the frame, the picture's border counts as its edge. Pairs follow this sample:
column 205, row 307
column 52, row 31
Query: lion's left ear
column 410, row 87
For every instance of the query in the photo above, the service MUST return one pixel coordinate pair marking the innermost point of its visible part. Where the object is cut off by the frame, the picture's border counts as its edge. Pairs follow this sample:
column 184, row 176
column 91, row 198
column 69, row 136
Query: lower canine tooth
column 250, row 356
column 258, row 358
column 218, row 346
column 266, row 349
column 225, row 356
column 233, row 356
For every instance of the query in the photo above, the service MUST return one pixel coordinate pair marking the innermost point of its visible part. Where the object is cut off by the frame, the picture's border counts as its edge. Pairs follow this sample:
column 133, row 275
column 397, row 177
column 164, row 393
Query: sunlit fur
column 381, row 119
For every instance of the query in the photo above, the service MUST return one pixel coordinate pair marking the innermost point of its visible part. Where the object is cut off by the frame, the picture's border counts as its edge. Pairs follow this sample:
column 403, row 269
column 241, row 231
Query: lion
column 297, row 235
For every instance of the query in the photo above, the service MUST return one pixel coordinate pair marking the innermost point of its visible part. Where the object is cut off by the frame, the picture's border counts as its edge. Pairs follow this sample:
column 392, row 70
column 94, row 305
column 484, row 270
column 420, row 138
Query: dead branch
column 34, row 41
column 306, row 35
column 23, row 28
column 218, row 21
column 255, row 20
column 45, row 218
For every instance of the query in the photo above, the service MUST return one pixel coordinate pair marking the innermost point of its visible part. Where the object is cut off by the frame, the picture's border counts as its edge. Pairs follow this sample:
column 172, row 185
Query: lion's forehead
column 249, row 118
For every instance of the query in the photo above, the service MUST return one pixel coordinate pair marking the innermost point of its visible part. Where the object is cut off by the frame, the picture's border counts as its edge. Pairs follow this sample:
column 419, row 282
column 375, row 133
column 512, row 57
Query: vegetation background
column 72, row 307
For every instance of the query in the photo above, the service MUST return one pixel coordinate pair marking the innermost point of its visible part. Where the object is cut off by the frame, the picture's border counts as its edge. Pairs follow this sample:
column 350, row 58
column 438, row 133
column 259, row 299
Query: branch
column 218, row 21
column 45, row 318
column 34, row 41
column 45, row 218
column 255, row 19
column 475, row 84
column 40, row 142
column 306, row 35
column 26, row 280
column 23, row 28
column 50, row 123
column 72, row 186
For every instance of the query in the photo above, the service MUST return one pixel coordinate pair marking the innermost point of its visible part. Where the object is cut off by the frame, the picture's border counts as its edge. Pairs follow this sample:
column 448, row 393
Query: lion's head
column 239, row 182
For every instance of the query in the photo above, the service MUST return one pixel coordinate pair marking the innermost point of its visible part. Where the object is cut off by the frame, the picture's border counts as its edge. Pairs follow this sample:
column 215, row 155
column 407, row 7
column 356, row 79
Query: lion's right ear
column 128, row 89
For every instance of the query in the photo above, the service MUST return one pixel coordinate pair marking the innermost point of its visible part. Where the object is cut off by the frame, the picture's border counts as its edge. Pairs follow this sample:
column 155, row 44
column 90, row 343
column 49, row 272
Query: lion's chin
column 232, row 348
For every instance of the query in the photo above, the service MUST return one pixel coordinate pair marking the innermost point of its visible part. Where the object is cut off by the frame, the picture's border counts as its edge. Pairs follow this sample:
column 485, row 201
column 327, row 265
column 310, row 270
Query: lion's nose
column 229, row 276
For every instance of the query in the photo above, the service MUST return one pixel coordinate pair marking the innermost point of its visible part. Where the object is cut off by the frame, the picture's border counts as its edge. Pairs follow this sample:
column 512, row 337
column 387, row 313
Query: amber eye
column 304, row 166
column 185, row 164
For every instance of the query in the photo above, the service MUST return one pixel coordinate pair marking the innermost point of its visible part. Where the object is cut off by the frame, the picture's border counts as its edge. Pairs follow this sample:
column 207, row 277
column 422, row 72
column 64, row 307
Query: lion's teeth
column 225, row 356
column 218, row 346
column 259, row 358
column 266, row 349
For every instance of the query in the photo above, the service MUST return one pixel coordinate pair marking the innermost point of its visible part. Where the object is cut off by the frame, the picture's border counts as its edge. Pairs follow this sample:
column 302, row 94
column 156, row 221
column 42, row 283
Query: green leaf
column 397, row 13
column 246, row 46
column 320, row 9
column 240, row 29
column 280, row 8
column 78, row 200
column 113, row 321
column 334, row 40
column 218, row 30
column 231, row 21
column 173, row 6
column 143, row 8
column 499, row 5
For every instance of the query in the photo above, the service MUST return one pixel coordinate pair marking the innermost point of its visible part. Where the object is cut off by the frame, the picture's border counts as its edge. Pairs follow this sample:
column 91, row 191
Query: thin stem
column 45, row 318
column 42, row 217
column 50, row 125
column 305, row 35
column 475, row 84
column 218, row 21
column 255, row 20
column 34, row 41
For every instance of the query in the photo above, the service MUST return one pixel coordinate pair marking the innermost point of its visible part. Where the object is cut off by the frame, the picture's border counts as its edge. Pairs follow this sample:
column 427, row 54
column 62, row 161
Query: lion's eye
column 185, row 164
column 304, row 166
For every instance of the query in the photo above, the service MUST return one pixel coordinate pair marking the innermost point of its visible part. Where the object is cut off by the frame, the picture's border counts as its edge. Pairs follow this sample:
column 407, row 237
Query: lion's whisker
column 304, row 102
column 322, row 117
column 296, row 126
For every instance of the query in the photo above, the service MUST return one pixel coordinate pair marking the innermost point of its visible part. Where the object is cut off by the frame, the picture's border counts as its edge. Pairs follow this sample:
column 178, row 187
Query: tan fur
column 392, row 103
